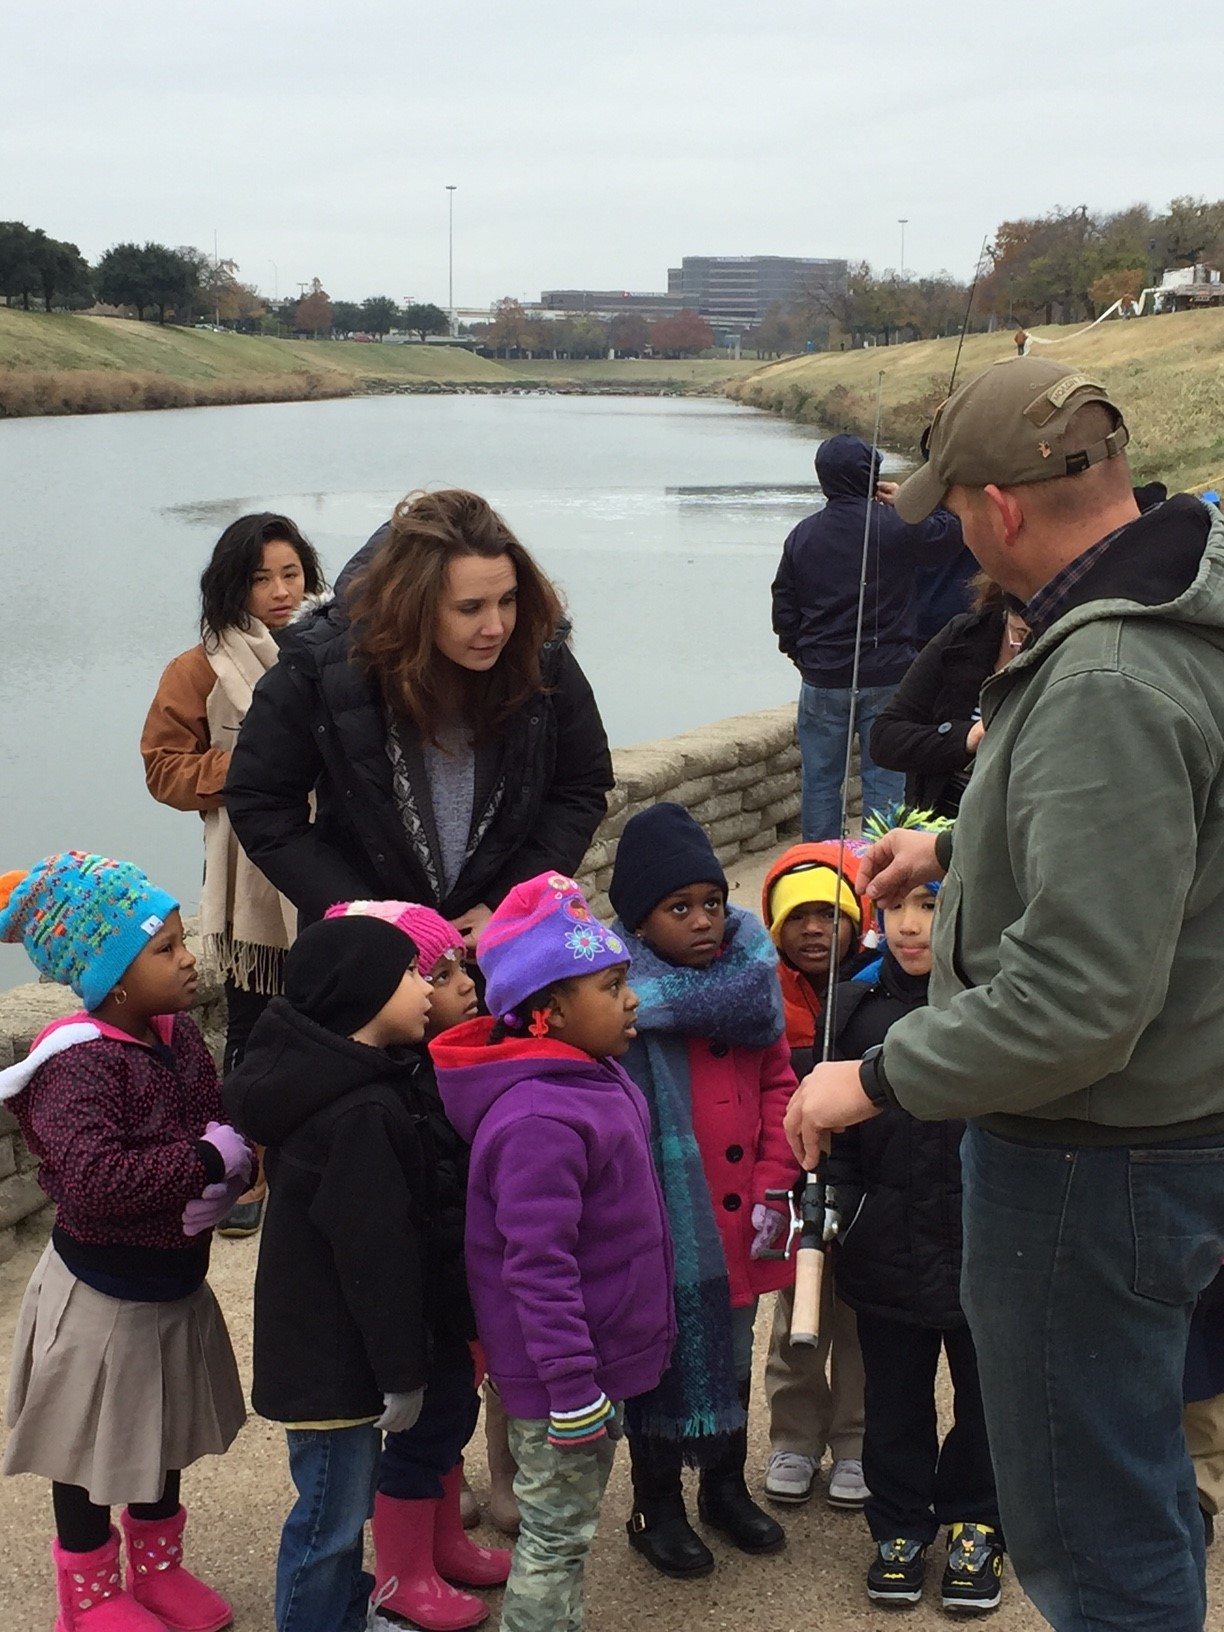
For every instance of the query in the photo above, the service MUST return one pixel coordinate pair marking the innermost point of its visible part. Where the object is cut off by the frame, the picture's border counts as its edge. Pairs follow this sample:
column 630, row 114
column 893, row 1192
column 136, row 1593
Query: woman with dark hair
column 441, row 722
column 260, row 572
column 933, row 725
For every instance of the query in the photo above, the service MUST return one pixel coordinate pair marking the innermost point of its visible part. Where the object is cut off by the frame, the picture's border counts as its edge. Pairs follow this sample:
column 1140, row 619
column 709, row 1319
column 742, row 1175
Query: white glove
column 400, row 1411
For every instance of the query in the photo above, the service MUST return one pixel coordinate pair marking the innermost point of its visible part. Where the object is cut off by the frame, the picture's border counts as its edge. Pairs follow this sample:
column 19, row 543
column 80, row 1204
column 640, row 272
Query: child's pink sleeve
column 776, row 1167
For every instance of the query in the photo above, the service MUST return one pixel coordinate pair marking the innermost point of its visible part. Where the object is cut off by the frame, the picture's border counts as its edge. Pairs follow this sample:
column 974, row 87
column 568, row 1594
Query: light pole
column 275, row 281
column 903, row 222
column 450, row 253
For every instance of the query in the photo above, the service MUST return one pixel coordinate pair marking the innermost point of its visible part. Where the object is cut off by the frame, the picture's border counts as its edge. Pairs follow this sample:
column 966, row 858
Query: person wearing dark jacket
column 344, row 1290
column 944, row 592
column 932, row 726
column 815, row 607
column 896, row 1185
column 436, row 714
column 419, row 1544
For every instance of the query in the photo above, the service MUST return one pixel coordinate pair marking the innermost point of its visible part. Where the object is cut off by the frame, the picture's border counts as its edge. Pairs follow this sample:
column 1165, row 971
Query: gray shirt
column 451, row 769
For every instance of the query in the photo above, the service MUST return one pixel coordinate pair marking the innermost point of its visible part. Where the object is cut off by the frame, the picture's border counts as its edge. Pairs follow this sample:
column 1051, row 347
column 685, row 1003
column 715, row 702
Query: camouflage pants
column 558, row 1494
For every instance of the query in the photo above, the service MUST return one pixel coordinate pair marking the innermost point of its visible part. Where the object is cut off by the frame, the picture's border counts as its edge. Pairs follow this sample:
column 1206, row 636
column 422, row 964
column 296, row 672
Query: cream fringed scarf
column 246, row 925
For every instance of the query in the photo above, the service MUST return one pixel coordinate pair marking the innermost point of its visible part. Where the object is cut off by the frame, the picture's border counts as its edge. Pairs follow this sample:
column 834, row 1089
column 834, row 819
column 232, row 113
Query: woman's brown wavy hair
column 395, row 605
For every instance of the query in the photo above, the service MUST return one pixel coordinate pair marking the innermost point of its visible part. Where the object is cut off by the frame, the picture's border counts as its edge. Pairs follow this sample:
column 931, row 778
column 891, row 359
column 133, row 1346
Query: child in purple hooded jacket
column 568, row 1253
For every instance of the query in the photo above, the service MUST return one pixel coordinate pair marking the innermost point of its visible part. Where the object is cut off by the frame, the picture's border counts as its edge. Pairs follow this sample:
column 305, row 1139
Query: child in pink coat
column 713, row 1062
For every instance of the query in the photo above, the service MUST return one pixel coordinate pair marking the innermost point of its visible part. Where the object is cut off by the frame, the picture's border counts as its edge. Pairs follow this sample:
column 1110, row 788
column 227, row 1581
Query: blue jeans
column 1081, row 1268
column 824, row 719
column 320, row 1584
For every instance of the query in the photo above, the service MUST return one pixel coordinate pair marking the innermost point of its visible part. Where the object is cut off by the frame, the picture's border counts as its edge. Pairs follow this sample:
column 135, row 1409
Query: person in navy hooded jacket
column 815, row 607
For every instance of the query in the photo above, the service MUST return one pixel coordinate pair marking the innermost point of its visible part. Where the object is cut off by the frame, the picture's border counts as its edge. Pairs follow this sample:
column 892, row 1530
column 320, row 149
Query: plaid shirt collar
column 1050, row 601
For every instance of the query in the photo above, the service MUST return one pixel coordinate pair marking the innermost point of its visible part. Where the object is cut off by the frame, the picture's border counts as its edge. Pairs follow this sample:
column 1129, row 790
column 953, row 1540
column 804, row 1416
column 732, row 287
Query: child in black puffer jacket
column 896, row 1183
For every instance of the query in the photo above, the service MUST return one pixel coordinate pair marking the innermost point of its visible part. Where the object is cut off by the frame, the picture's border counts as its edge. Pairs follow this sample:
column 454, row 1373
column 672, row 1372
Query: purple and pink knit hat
column 435, row 938
column 543, row 932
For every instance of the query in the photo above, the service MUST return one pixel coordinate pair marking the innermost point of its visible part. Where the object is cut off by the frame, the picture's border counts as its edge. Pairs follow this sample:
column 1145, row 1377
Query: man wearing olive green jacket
column 1077, row 1001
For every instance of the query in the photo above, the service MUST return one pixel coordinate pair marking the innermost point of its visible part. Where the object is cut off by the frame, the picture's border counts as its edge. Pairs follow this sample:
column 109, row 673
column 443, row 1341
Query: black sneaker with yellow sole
column 973, row 1576
column 897, row 1572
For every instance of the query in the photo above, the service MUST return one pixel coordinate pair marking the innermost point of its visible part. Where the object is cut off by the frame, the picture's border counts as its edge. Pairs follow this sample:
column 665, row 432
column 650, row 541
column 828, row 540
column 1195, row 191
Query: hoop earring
column 120, row 996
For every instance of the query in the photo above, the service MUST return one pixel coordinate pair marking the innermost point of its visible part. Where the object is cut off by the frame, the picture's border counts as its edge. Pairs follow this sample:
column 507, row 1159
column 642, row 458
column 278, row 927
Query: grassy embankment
column 64, row 363
column 1166, row 372
column 688, row 375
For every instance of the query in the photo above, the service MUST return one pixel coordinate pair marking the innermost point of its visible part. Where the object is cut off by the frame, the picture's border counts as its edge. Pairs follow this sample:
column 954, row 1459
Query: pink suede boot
column 404, row 1569
column 157, row 1579
column 454, row 1556
column 91, row 1595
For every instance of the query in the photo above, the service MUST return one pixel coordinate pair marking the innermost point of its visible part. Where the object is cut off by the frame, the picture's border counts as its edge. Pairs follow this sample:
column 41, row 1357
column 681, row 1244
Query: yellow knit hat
column 808, row 885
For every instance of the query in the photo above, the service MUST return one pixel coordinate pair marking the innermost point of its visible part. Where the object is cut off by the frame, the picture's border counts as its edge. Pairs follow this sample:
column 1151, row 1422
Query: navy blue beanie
column 661, row 850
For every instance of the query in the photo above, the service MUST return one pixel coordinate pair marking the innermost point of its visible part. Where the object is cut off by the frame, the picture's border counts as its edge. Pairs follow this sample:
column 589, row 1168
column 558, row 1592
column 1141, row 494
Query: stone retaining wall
column 740, row 779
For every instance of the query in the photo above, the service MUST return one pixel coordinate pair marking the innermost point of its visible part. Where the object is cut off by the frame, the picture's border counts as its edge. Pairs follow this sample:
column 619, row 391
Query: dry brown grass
column 1167, row 373
column 25, row 392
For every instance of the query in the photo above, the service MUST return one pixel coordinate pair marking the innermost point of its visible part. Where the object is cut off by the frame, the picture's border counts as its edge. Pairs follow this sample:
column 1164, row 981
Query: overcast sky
column 592, row 144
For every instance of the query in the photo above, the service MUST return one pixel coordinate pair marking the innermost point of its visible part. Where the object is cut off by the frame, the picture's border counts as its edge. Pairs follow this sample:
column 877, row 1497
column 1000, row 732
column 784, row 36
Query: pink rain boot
column 157, row 1579
column 404, row 1569
column 91, row 1595
column 454, row 1556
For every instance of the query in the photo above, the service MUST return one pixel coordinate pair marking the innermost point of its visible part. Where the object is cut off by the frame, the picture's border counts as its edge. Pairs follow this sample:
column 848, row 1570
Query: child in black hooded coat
column 896, row 1184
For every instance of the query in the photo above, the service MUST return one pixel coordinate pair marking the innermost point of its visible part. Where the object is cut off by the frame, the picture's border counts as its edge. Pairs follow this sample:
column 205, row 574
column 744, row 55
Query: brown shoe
column 501, row 1508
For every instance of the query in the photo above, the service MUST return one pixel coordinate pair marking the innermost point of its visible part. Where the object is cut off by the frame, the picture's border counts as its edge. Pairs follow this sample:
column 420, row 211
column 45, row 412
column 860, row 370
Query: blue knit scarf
column 737, row 1000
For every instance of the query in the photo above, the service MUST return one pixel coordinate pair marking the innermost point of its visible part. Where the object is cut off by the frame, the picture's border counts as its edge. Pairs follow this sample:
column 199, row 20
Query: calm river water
column 660, row 518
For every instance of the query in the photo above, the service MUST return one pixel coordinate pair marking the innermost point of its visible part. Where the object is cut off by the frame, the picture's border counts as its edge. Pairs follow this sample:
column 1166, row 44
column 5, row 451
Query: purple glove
column 768, row 1225
column 232, row 1149
column 207, row 1211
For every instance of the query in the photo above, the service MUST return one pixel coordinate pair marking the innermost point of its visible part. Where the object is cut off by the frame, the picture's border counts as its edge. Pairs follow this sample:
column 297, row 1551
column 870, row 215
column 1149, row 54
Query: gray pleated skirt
column 110, row 1395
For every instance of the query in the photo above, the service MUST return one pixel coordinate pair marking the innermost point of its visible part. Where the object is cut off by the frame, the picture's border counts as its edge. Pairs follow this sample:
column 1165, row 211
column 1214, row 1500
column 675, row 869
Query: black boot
column 658, row 1526
column 723, row 1501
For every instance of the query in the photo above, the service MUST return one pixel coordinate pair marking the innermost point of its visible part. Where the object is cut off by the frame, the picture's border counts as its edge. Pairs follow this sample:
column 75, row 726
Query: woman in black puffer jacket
column 931, row 727
column 896, row 1183
column 437, row 716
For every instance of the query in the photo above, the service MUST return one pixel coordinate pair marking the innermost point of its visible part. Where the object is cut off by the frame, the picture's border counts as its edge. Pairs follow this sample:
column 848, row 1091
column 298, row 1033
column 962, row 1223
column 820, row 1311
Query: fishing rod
column 977, row 272
column 816, row 1222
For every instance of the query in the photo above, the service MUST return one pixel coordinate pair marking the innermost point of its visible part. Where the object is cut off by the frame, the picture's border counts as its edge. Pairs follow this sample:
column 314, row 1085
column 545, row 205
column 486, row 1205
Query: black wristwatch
column 871, row 1075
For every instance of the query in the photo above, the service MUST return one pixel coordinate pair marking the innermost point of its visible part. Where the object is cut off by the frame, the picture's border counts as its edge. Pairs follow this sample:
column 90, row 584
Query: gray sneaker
column 789, row 1476
column 846, row 1486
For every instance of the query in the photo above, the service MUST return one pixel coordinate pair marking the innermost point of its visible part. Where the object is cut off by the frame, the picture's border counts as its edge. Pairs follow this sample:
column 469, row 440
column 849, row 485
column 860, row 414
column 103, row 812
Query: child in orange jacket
column 815, row 1395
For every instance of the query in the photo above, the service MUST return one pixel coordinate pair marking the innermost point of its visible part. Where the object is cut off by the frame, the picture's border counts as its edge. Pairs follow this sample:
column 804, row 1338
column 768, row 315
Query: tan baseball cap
column 1007, row 426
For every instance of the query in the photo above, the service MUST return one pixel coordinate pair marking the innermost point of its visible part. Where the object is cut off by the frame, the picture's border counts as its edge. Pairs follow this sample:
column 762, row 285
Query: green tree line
column 184, row 285
column 1062, row 267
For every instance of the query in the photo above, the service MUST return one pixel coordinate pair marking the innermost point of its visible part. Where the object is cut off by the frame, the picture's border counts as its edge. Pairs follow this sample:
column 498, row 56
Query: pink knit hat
column 435, row 938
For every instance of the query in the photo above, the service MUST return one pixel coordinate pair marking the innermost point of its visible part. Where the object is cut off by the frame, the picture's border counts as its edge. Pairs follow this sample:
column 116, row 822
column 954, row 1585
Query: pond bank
column 67, row 363
column 1167, row 373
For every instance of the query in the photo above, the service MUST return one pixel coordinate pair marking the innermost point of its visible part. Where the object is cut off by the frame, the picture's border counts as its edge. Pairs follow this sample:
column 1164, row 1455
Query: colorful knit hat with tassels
column 881, row 822
column 83, row 920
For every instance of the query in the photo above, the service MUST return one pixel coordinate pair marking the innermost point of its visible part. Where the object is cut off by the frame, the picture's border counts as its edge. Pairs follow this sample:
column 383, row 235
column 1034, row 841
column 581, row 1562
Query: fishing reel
column 811, row 1212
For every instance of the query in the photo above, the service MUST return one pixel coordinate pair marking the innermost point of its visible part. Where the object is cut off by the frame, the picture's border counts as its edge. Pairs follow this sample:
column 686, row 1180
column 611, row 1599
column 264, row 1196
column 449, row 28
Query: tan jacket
column 182, row 768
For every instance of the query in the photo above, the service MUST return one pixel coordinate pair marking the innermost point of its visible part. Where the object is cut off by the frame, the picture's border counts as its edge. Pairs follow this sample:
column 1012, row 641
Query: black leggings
column 82, row 1526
